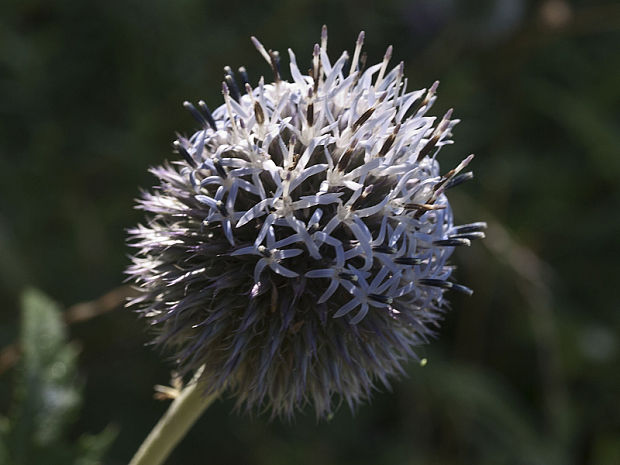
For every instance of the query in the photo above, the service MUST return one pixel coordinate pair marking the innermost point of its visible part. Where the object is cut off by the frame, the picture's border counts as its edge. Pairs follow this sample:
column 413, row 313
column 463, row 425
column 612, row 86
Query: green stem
column 172, row 427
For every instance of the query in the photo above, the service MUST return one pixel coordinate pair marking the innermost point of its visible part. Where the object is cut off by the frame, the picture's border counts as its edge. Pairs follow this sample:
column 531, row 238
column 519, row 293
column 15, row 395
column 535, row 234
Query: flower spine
column 298, row 248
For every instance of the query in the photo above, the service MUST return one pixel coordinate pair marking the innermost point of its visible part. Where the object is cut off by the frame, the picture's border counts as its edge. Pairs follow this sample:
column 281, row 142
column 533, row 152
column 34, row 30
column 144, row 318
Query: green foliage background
column 527, row 371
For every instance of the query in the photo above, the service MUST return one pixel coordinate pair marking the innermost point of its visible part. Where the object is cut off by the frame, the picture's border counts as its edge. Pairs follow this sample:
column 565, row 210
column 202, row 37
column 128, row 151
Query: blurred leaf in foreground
column 47, row 394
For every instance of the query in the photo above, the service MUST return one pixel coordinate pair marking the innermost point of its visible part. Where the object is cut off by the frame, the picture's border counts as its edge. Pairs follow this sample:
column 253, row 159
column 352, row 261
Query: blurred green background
column 526, row 371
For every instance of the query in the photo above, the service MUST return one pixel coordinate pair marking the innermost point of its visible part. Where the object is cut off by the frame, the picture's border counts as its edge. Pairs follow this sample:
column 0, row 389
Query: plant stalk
column 172, row 427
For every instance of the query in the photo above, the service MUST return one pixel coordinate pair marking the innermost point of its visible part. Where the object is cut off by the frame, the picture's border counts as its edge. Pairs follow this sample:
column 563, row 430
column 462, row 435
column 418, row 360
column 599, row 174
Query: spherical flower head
column 298, row 249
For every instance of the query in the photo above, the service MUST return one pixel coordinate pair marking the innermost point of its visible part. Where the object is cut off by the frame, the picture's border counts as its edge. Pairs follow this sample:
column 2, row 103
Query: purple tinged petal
column 365, row 212
column 245, row 251
column 305, row 174
column 300, row 227
column 228, row 231
column 333, row 286
column 255, row 212
column 288, row 253
column 360, row 315
column 264, row 229
column 283, row 271
column 258, row 269
column 362, row 234
column 297, row 77
column 206, row 200
column 346, row 308
column 293, row 238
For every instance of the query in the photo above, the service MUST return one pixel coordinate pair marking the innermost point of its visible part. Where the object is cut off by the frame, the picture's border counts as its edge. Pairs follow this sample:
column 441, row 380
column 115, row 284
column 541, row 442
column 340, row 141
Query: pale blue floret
column 271, row 255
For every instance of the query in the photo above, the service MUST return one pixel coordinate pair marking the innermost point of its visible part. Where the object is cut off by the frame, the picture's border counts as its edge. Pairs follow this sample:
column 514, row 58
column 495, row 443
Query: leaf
column 47, row 394
column 48, row 391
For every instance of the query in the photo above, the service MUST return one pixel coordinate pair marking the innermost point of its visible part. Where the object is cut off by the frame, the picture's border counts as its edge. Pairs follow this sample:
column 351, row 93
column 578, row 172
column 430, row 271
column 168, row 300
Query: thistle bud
column 297, row 249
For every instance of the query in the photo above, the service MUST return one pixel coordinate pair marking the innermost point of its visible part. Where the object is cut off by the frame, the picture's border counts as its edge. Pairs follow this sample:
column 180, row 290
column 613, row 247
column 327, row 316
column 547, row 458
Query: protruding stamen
column 385, row 249
column 291, row 144
column 293, row 158
column 275, row 64
column 180, row 149
column 430, row 145
column 316, row 64
column 384, row 299
column 317, row 68
column 271, row 57
column 424, row 207
column 196, row 114
column 324, row 37
column 207, row 114
column 363, row 60
column 471, row 235
column 408, row 261
column 261, row 49
column 258, row 113
column 348, row 276
column 445, row 285
column 443, row 125
column 361, row 68
column 362, row 119
column 459, row 179
column 231, row 115
column 294, row 161
column 429, row 95
column 365, row 193
column 356, row 54
column 473, row 227
column 386, row 60
column 222, row 208
column 387, row 145
column 399, row 78
column 229, row 77
column 310, row 110
column 452, row 242
column 440, row 186
column 221, row 171
column 367, row 190
column 234, row 90
column 345, row 158
column 244, row 75
column 441, row 128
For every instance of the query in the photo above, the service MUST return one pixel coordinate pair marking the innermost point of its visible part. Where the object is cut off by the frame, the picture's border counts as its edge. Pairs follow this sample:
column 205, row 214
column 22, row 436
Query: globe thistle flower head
column 298, row 249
